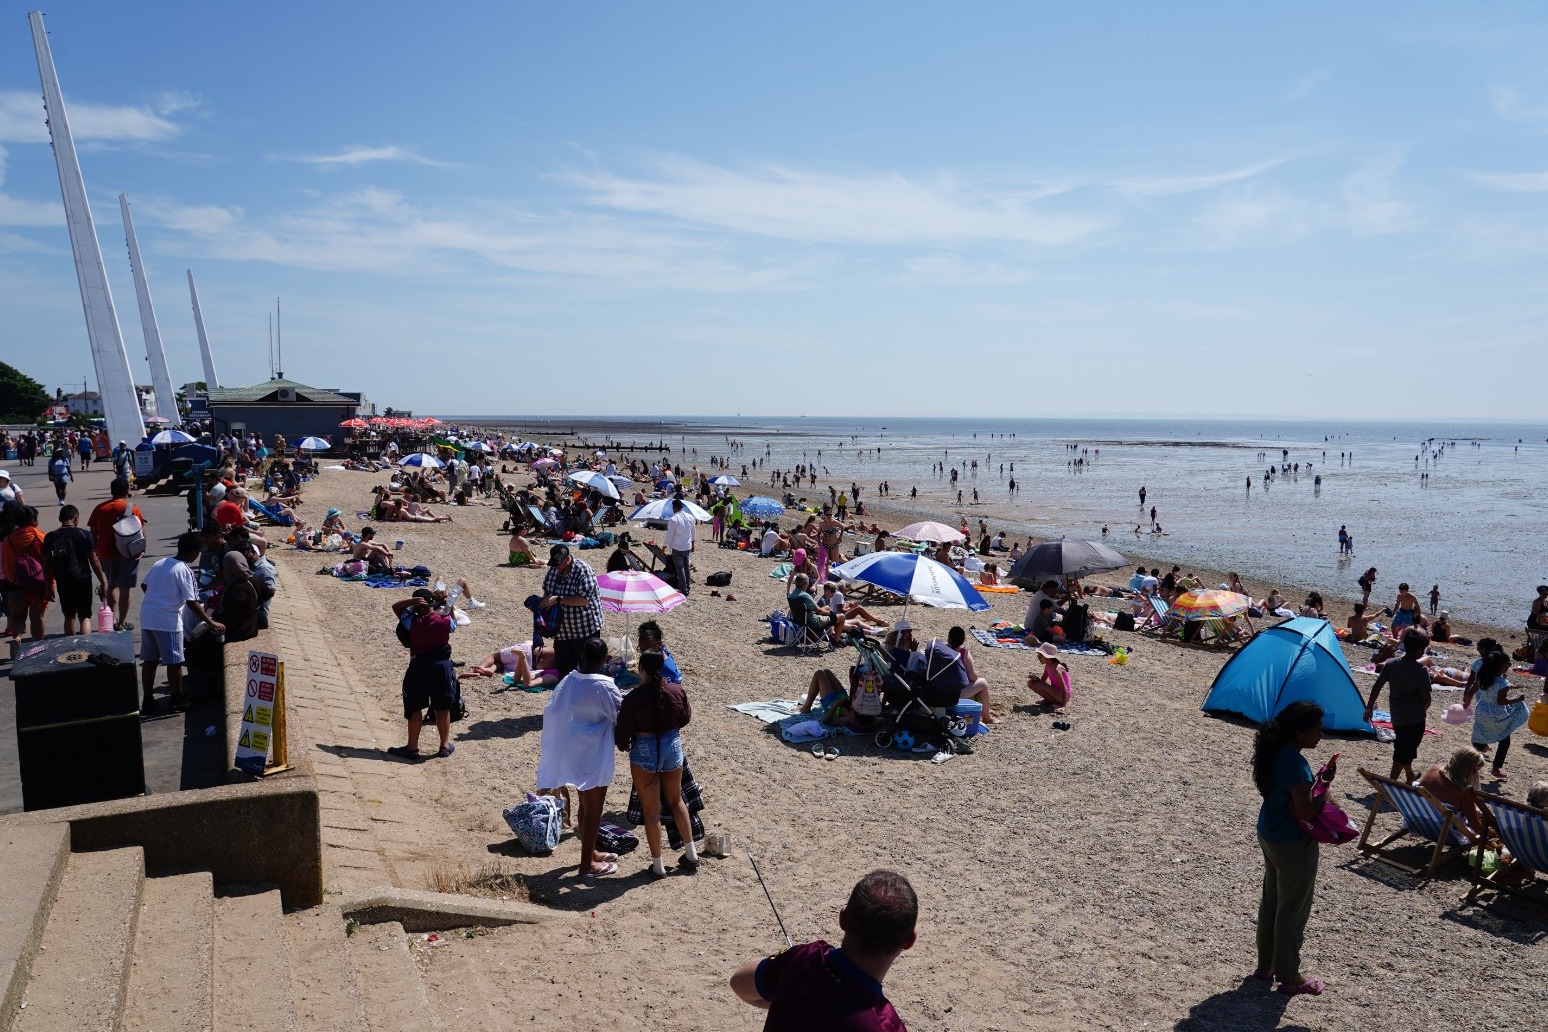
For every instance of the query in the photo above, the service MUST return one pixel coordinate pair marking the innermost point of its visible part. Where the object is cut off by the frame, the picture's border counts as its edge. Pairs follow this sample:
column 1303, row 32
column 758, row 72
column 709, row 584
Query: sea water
column 1476, row 526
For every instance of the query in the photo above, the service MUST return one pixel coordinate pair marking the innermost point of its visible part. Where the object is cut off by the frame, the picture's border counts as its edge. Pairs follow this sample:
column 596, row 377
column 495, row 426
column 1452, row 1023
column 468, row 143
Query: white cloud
column 882, row 208
column 1369, row 201
column 1160, row 186
column 1509, row 103
column 350, row 157
column 1308, row 84
column 1252, row 214
column 22, row 120
column 950, row 269
column 1514, row 182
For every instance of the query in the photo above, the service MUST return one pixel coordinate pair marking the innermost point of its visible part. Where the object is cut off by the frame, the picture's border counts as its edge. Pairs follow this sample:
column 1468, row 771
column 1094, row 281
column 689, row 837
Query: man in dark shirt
column 70, row 560
column 1410, row 681
column 838, row 989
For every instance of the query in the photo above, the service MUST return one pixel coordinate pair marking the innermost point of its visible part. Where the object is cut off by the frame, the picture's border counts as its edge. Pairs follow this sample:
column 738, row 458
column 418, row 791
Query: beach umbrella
column 725, row 481
column 761, row 507
column 596, row 481
column 915, row 577
column 1209, row 604
column 313, row 444
column 156, row 420
column 477, row 446
column 1064, row 558
column 421, row 459
column 635, row 591
column 172, row 437
column 354, row 424
column 930, row 531
column 623, row 483
column 544, row 464
column 661, row 509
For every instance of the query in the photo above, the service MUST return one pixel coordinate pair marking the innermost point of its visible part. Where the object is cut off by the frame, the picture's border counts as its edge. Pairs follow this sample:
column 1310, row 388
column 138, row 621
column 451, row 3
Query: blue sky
column 1019, row 209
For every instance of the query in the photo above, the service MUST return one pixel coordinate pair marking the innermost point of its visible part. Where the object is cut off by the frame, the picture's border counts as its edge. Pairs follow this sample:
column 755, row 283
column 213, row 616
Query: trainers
column 474, row 603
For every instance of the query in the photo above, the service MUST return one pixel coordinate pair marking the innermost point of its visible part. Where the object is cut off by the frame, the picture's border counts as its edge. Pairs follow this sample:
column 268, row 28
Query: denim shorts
column 657, row 755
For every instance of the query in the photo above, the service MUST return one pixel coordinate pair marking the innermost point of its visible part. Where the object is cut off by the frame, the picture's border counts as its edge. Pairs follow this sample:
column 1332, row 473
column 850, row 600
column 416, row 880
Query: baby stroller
column 916, row 700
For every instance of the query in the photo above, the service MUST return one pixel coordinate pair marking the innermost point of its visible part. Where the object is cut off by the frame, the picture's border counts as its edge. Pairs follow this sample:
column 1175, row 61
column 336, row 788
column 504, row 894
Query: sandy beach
column 1105, row 876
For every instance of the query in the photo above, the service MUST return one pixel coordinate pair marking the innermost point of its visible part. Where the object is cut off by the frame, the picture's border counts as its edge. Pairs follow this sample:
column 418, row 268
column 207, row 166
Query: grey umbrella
column 1063, row 558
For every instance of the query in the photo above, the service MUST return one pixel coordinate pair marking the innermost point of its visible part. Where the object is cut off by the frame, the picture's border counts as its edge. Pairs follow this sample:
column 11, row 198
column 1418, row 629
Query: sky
column 1019, row 209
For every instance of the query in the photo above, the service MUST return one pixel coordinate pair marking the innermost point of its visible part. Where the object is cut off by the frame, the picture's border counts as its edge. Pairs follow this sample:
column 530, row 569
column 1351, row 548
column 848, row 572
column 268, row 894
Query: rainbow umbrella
column 1208, row 604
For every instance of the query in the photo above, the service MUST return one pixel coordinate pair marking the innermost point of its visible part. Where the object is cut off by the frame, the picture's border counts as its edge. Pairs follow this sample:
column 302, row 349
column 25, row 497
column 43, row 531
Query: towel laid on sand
column 770, row 711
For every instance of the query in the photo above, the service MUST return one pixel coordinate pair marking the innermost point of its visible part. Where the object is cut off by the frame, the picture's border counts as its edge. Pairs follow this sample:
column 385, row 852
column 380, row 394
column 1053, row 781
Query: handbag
column 537, row 823
column 1331, row 825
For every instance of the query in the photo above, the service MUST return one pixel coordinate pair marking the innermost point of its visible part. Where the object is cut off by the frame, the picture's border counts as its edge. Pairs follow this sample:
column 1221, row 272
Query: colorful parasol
column 634, row 591
column 1208, row 604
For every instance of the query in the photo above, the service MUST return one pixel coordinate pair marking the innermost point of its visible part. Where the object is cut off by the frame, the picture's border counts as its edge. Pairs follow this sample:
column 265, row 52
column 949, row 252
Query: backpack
column 129, row 536
column 718, row 580
column 63, row 557
column 402, row 629
column 29, row 576
column 537, row 823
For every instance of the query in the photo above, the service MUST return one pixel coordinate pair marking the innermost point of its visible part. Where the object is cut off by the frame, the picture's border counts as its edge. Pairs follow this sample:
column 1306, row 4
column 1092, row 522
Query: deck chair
column 264, row 512
column 1424, row 817
column 1157, row 620
column 1524, row 831
column 807, row 640
column 540, row 522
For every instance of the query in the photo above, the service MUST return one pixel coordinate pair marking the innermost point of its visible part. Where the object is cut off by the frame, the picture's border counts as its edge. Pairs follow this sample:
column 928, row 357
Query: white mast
column 279, row 342
column 115, row 380
column 210, row 379
column 161, row 376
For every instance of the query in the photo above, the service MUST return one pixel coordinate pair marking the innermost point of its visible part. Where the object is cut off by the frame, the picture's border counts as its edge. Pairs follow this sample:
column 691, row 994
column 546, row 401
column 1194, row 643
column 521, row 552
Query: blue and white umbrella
column 596, row 481
column 173, row 437
column 313, row 444
column 915, row 577
column 725, row 481
column 477, row 446
column 661, row 509
column 761, row 507
column 420, row 458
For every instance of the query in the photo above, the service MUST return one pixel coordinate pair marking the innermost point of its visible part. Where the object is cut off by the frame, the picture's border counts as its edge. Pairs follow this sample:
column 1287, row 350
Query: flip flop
column 830, row 753
column 1305, row 987
column 607, row 869
column 820, row 751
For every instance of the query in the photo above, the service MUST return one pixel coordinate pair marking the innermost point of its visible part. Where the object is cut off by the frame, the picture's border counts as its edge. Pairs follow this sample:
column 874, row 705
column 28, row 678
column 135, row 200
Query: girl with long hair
column 649, row 729
column 1285, row 780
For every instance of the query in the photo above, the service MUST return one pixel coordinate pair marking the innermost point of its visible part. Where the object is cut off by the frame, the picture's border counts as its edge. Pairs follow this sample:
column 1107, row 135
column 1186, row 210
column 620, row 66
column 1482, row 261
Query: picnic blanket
column 770, row 711
column 1073, row 648
column 693, row 797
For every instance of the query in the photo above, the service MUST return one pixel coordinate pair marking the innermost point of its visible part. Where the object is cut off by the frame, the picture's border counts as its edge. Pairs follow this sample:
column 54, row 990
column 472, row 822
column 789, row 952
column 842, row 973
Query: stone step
column 82, row 965
column 390, row 983
column 328, row 997
column 252, row 989
column 33, row 858
column 172, row 969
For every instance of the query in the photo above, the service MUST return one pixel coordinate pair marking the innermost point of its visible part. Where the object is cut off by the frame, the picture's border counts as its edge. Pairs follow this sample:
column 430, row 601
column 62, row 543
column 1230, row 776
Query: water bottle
column 452, row 597
column 105, row 619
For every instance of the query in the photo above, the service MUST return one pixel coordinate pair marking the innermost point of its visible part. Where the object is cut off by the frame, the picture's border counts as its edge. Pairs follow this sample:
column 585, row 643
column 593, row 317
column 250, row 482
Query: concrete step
column 328, row 997
column 390, row 983
column 82, row 964
column 172, row 969
column 33, row 859
column 252, row 964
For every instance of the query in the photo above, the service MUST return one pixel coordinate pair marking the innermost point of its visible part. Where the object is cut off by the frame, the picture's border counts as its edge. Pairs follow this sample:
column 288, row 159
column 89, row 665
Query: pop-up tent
column 1299, row 659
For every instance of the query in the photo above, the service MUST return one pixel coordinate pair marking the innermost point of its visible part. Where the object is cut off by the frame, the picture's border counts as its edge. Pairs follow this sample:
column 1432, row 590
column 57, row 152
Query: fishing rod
column 788, row 940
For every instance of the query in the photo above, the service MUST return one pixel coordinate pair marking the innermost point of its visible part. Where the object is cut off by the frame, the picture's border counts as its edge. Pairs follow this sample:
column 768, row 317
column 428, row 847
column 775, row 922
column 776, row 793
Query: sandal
column 831, row 753
column 403, row 752
column 1305, row 987
column 602, row 872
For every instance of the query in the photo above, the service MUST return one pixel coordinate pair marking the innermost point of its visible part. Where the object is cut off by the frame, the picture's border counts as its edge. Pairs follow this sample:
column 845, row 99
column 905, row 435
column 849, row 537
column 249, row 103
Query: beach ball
column 1537, row 723
column 1457, row 714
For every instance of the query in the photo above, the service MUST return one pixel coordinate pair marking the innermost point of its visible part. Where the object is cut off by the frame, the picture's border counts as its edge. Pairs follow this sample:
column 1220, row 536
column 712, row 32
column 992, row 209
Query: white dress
column 577, row 741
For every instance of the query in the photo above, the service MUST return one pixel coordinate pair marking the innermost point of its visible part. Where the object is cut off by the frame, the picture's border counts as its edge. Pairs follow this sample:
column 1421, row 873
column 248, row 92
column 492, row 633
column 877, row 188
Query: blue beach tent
column 1298, row 659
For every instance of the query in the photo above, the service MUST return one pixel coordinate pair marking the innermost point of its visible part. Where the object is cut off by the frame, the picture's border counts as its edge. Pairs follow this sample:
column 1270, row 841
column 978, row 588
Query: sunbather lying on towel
column 527, row 666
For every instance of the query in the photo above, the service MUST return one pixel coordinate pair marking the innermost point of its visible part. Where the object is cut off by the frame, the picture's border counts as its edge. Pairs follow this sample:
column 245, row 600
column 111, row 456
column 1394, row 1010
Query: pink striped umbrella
column 634, row 591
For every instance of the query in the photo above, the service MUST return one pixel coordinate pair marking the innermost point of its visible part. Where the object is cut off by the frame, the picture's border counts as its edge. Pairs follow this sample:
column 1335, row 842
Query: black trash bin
column 78, row 721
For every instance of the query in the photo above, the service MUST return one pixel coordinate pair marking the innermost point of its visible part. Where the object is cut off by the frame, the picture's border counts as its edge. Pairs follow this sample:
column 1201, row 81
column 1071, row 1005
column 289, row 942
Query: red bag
column 1331, row 825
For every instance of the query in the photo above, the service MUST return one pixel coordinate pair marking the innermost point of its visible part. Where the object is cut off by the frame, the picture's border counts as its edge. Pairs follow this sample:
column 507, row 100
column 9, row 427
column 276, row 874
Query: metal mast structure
column 210, row 379
column 161, row 376
column 115, row 380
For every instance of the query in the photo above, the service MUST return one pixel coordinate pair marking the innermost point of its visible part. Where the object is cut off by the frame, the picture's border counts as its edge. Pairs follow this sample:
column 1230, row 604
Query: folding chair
column 1424, row 817
column 1524, row 831
column 263, row 512
column 1157, row 620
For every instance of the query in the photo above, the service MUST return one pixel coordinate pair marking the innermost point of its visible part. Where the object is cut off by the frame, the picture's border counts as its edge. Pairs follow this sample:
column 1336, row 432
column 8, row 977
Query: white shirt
column 577, row 740
column 770, row 542
column 679, row 532
column 169, row 587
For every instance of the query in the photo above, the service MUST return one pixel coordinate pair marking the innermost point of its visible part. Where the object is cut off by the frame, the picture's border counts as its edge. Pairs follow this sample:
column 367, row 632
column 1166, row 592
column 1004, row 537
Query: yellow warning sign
column 247, row 715
column 261, row 741
column 245, row 741
column 265, row 716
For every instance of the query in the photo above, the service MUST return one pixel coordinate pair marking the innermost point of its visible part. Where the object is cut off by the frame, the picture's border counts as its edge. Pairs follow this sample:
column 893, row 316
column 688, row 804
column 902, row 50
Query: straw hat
column 1048, row 650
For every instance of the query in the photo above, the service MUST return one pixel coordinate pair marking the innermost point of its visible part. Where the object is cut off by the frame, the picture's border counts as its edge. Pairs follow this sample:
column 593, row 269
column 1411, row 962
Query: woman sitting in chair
column 1454, row 783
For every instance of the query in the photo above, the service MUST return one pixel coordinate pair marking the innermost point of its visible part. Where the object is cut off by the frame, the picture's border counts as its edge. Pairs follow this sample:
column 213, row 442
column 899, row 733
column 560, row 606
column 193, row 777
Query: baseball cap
column 903, row 625
column 557, row 553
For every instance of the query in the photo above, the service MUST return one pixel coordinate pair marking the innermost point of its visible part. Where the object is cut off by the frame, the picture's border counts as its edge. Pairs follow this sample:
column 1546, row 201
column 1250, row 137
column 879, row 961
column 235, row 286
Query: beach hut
column 1298, row 659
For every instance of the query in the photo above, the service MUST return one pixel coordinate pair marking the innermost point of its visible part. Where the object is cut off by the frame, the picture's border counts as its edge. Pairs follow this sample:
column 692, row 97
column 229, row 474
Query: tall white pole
column 115, row 380
column 210, row 379
column 161, row 376
column 279, row 342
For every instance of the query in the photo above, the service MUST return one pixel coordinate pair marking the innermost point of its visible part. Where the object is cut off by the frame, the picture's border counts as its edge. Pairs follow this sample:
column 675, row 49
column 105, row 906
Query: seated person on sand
column 977, row 688
column 1359, row 626
column 522, row 662
column 806, row 612
column 856, row 616
column 371, row 550
column 333, row 523
column 1274, row 602
column 1051, row 683
column 943, row 555
column 773, row 543
column 650, row 640
column 1312, row 606
column 1045, row 626
column 990, row 577
column 520, row 552
column 881, row 544
column 1015, row 552
column 1455, row 783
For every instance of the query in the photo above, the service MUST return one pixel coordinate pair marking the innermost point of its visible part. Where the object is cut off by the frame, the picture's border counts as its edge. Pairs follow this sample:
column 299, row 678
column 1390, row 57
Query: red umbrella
column 355, row 424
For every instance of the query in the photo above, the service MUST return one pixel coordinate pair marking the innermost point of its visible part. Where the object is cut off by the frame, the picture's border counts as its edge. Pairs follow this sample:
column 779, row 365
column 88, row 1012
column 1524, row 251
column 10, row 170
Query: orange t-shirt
column 101, row 523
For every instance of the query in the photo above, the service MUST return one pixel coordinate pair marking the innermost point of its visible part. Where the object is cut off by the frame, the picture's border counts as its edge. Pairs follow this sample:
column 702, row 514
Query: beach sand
column 1101, row 877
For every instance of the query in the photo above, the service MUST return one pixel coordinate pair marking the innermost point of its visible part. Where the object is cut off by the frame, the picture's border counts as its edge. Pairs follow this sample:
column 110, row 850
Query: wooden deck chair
column 1524, row 831
column 540, row 522
column 667, row 572
column 1424, row 817
column 1157, row 619
column 265, row 514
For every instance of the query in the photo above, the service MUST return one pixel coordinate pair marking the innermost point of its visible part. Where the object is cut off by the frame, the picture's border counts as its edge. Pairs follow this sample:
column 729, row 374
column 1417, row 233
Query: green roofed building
column 281, row 406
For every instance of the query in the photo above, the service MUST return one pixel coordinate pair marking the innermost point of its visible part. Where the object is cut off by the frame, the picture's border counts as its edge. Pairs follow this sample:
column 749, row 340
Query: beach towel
column 987, row 638
column 781, row 571
column 770, row 711
column 387, row 580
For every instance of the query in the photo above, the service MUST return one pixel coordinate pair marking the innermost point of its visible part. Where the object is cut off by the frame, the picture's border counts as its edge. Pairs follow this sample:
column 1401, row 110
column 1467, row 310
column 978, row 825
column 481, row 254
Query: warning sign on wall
column 263, row 679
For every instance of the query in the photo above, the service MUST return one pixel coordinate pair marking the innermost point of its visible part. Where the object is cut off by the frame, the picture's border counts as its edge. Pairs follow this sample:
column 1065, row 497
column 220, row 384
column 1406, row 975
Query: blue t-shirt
column 1276, row 818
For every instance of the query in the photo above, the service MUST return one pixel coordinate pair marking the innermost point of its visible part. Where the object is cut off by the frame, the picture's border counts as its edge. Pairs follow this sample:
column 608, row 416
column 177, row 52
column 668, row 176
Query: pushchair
column 916, row 702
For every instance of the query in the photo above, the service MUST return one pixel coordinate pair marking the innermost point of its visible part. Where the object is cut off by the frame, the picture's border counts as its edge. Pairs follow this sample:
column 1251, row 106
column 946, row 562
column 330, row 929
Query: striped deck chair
column 1524, row 831
column 1425, row 818
column 1157, row 620
column 272, row 515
